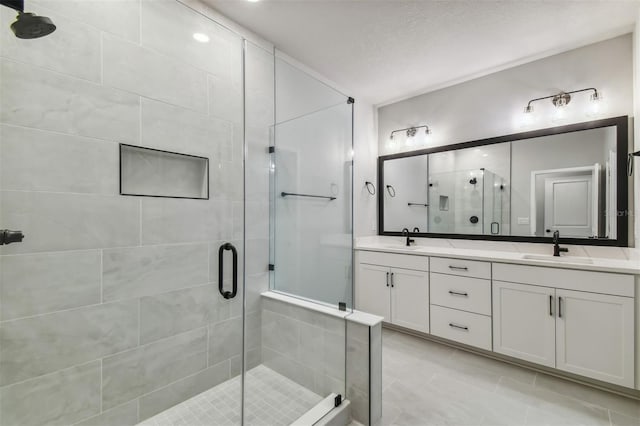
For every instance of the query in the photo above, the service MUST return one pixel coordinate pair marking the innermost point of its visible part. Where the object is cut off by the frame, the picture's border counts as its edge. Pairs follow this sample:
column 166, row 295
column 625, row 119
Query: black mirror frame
column 622, row 134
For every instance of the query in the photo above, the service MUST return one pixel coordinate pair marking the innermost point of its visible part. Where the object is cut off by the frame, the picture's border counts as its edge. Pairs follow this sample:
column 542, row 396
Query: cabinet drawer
column 463, row 267
column 405, row 261
column 463, row 327
column 464, row 293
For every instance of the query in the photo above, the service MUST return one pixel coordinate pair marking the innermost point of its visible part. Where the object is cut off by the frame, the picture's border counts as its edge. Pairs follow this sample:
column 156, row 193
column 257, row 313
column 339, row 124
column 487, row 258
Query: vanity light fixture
column 562, row 99
column 411, row 131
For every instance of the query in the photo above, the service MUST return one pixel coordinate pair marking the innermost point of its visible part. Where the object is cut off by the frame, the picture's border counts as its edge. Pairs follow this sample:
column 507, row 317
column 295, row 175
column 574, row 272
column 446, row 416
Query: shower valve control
column 8, row 237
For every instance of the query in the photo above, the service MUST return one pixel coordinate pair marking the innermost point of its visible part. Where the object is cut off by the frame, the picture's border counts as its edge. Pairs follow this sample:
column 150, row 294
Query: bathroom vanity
column 574, row 315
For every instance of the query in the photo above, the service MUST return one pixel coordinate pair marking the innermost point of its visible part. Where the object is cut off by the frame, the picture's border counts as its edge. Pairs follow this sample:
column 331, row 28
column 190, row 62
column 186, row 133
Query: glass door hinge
column 337, row 400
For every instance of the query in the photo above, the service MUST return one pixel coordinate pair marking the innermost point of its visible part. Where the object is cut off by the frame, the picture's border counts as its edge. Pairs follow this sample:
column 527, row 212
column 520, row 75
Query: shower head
column 29, row 25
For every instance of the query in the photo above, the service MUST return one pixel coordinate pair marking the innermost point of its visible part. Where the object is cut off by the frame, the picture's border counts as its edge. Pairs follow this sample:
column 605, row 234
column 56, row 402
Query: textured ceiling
column 387, row 50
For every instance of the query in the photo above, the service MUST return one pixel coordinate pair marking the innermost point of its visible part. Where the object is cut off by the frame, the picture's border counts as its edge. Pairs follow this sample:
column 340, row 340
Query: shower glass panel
column 312, row 190
column 112, row 309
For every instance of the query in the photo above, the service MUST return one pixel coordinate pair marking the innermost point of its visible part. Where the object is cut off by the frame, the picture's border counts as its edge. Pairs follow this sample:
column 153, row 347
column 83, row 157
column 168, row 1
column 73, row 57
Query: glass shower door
column 113, row 308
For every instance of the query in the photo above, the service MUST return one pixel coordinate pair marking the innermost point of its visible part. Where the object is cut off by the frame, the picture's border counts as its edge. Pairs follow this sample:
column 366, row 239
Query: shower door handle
column 227, row 294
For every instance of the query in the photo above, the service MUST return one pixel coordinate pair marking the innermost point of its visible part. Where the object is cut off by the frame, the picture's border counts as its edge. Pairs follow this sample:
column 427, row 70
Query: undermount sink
column 401, row 247
column 551, row 258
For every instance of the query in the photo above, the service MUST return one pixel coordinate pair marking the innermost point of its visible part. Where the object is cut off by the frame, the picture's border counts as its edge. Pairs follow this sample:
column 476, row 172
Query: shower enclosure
column 135, row 160
column 468, row 201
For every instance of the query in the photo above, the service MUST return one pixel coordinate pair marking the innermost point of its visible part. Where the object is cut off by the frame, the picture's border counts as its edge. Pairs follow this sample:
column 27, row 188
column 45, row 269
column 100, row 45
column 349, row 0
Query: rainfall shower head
column 28, row 25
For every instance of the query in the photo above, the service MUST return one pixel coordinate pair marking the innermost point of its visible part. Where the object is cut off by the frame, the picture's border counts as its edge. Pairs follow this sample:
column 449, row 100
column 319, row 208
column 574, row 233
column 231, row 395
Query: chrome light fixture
column 562, row 99
column 411, row 131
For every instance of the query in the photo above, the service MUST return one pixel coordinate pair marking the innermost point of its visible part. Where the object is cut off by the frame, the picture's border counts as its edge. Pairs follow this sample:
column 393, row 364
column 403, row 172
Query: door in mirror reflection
column 563, row 182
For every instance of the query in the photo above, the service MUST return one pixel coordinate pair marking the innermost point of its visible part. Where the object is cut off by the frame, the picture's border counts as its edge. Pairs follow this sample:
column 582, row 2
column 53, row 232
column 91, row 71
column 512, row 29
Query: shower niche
column 149, row 172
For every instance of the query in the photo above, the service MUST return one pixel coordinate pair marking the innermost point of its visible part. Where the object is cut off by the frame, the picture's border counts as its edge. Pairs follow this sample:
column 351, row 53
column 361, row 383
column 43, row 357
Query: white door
column 373, row 286
column 595, row 336
column 569, row 206
column 410, row 299
column 524, row 322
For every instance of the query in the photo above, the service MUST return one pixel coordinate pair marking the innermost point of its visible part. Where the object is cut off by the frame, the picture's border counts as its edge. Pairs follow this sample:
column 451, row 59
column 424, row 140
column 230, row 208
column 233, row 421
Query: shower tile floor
column 272, row 400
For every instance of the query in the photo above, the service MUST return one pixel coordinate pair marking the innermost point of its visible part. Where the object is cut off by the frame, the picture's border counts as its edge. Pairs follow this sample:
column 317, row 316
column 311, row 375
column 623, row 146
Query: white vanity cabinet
column 577, row 321
column 553, row 317
column 394, row 286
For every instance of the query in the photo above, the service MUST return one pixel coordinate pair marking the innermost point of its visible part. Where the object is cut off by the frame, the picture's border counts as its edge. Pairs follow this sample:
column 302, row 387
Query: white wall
column 636, row 132
column 493, row 105
column 365, row 154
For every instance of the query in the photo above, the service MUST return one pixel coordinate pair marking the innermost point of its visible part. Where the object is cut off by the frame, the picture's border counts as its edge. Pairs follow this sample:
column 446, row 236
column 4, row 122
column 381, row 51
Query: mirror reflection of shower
column 28, row 25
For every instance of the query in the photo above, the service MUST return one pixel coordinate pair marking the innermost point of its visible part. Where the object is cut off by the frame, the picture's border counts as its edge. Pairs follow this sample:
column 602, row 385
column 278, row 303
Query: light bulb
column 410, row 141
column 595, row 104
column 560, row 113
column 202, row 38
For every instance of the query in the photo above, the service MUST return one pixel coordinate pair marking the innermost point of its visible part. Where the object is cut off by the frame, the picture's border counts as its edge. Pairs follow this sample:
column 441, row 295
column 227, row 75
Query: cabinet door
column 524, row 322
column 595, row 336
column 410, row 299
column 372, row 290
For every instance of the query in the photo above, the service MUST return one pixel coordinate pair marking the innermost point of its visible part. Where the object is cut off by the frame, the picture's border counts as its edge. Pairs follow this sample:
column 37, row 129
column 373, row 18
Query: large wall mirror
column 520, row 187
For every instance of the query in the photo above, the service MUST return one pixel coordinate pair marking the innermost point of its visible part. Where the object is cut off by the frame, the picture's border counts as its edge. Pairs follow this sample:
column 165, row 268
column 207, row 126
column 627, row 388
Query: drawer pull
column 458, row 293
column 461, row 327
column 458, row 268
column 559, row 307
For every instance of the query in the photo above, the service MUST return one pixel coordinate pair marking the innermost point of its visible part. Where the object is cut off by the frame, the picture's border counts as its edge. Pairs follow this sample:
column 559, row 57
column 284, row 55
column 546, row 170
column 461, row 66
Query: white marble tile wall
column 306, row 346
column 109, row 309
column 364, row 371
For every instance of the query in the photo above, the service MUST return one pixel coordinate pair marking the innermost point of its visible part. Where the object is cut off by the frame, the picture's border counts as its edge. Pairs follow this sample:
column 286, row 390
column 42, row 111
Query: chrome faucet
column 405, row 232
column 556, row 245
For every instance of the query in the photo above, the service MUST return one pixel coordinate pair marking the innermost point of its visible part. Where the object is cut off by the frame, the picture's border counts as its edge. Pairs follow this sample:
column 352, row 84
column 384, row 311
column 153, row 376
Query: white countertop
column 539, row 257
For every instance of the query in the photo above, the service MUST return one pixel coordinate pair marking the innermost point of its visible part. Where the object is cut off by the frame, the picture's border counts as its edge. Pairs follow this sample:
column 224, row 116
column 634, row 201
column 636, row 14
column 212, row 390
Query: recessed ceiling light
column 253, row 1
column 202, row 38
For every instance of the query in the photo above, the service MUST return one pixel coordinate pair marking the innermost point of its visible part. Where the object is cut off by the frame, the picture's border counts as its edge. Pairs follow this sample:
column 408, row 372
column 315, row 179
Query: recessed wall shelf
column 149, row 172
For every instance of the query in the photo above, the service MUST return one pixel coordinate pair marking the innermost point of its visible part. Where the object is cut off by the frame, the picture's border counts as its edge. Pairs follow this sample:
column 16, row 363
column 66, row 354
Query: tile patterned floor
column 425, row 383
column 272, row 400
